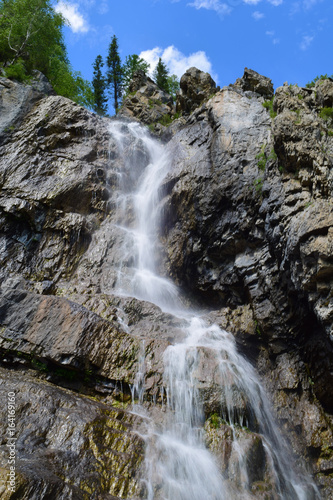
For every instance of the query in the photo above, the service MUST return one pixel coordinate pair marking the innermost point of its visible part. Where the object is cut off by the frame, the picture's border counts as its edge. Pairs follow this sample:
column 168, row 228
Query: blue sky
column 286, row 40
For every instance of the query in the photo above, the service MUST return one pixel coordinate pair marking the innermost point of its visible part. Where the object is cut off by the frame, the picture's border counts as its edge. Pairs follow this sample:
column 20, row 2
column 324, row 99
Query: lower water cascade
column 250, row 459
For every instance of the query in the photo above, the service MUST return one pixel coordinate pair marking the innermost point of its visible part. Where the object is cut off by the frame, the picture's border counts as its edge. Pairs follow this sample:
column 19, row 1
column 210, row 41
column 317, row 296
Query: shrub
column 269, row 106
column 326, row 114
column 17, row 71
column 321, row 77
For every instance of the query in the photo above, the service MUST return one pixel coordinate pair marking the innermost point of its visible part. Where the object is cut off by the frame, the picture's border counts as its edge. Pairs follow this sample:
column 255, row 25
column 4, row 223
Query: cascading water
column 178, row 465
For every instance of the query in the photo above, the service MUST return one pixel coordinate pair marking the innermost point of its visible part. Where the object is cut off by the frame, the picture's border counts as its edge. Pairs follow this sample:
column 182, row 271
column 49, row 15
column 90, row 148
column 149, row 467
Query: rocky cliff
column 247, row 233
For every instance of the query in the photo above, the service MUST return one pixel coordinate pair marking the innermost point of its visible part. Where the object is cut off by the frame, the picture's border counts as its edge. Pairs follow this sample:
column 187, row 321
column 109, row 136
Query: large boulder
column 254, row 82
column 195, row 88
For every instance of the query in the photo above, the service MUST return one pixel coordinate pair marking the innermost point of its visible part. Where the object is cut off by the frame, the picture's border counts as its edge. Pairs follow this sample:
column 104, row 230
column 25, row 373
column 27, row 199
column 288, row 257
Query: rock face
column 66, row 442
column 248, row 220
column 17, row 99
column 248, row 234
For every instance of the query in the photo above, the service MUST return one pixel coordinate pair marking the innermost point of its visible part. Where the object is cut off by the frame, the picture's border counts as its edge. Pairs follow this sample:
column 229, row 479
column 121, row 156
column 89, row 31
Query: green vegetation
column 115, row 73
column 327, row 114
column 166, row 82
column 133, row 63
column 161, row 74
column 269, row 106
column 263, row 159
column 165, row 120
column 31, row 39
column 318, row 78
column 258, row 331
column 99, row 86
column 298, row 113
column 215, row 421
column 173, row 86
column 258, row 184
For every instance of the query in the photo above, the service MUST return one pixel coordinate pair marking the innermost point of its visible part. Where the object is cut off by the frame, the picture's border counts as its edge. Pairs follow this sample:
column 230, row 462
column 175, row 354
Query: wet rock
column 195, row 88
column 305, row 424
column 48, row 328
column 68, row 445
column 253, row 467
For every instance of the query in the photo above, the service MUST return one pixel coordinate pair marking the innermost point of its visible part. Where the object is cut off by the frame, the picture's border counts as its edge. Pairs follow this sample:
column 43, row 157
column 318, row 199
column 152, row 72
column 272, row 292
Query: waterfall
column 178, row 465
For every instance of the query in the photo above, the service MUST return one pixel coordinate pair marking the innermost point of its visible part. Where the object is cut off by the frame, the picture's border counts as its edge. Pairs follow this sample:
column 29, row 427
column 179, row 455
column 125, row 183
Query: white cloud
column 276, row 3
column 219, row 7
column 70, row 12
column 307, row 4
column 271, row 34
column 252, row 2
column 258, row 15
column 306, row 42
column 103, row 7
column 176, row 61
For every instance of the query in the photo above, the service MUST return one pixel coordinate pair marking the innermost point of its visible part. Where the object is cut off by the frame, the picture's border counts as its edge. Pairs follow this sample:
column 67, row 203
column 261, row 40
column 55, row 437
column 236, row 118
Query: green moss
column 258, row 331
column 215, row 421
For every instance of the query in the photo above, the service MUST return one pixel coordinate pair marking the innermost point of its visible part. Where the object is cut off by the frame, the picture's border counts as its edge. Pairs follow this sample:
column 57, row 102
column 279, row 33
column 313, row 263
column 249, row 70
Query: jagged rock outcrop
column 254, row 82
column 247, row 232
column 195, row 88
column 146, row 102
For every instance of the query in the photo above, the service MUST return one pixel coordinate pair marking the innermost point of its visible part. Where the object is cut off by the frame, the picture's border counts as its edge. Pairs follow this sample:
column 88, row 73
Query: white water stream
column 178, row 465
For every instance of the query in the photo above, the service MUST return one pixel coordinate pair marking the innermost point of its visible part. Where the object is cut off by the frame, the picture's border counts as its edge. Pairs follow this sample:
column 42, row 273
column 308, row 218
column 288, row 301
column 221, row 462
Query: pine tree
column 114, row 73
column 99, row 85
column 133, row 63
column 161, row 74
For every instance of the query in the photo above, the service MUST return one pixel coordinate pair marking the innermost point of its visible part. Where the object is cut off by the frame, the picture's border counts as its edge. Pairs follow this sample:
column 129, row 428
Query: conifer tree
column 161, row 74
column 133, row 63
column 114, row 73
column 99, row 85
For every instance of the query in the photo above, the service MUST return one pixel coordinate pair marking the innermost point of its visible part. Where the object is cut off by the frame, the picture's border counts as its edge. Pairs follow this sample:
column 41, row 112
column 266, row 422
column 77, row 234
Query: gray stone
column 254, row 82
column 195, row 88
